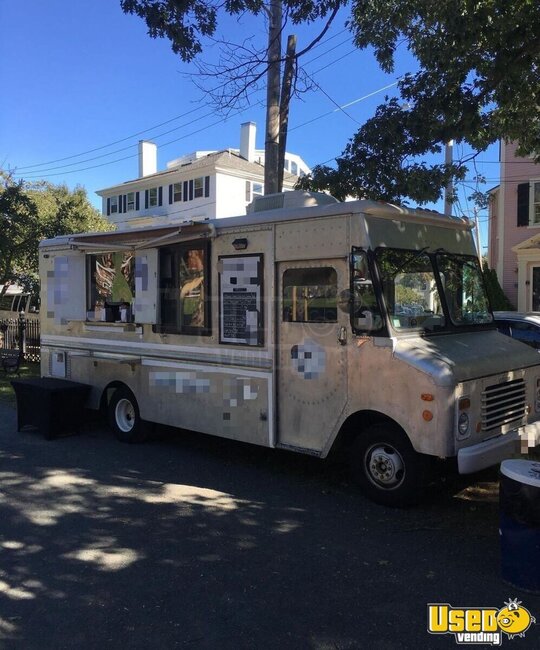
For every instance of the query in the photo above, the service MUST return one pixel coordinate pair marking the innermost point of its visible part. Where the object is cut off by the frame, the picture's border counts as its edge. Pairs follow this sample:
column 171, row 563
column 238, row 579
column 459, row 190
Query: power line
column 110, row 144
column 356, row 101
column 111, row 153
column 220, row 121
column 333, row 101
column 156, row 126
column 111, row 162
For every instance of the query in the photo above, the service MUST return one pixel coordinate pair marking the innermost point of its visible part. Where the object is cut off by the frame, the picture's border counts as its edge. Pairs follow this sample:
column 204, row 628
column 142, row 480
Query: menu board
column 240, row 318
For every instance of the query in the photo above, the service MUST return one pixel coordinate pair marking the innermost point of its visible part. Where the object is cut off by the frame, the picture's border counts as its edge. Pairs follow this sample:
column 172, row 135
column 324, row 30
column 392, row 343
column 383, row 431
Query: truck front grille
column 503, row 404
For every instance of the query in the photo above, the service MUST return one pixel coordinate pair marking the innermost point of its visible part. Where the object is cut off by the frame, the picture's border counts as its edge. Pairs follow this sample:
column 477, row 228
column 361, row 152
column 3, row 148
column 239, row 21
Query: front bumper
column 492, row 452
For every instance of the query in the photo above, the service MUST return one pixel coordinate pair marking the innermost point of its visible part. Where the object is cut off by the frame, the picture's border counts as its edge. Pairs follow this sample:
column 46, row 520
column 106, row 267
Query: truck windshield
column 461, row 278
column 412, row 295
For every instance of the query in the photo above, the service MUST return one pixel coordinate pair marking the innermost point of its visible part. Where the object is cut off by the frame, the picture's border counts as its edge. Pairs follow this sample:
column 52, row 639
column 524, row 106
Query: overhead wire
column 168, row 121
column 219, row 121
column 111, row 144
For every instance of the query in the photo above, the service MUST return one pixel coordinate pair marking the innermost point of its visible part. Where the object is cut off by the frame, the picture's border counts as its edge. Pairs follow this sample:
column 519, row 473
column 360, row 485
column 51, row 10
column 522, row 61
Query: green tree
column 496, row 295
column 20, row 228
column 62, row 211
column 478, row 81
column 187, row 23
column 32, row 212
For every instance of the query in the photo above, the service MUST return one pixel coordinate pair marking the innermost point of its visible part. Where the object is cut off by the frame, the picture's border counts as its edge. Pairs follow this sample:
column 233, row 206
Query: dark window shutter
column 191, row 190
column 120, row 204
column 207, row 186
column 160, row 196
column 137, row 204
column 523, row 204
column 185, row 192
column 108, row 207
column 170, row 194
column 146, row 199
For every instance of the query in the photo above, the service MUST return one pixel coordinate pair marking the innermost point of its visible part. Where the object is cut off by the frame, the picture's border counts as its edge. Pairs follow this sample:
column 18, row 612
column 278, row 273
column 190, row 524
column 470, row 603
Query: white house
column 200, row 185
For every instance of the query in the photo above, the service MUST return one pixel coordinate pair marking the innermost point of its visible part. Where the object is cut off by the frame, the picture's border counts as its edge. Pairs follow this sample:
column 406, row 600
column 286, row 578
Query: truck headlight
column 463, row 424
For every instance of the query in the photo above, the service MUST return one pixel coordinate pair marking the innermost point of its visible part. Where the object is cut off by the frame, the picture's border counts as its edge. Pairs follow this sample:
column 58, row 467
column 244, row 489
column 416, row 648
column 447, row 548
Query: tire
column 387, row 468
column 124, row 417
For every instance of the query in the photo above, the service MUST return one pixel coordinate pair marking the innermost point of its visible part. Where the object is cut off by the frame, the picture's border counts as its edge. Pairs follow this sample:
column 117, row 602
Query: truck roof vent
column 291, row 200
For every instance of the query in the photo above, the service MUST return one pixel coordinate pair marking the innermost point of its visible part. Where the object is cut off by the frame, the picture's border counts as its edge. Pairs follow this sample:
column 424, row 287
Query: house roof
column 225, row 159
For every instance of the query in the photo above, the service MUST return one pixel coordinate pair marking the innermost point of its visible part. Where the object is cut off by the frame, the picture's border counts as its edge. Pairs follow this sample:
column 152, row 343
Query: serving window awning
column 131, row 240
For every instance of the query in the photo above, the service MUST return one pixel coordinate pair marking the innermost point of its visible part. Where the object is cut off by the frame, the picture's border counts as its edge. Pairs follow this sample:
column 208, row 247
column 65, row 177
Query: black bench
column 52, row 405
column 10, row 361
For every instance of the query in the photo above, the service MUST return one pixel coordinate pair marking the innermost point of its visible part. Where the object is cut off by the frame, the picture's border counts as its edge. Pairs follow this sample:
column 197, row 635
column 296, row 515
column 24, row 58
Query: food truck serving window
column 111, row 286
column 310, row 295
column 184, row 289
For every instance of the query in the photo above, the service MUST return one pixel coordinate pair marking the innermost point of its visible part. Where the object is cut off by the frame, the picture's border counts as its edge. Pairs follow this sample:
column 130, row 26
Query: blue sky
column 82, row 77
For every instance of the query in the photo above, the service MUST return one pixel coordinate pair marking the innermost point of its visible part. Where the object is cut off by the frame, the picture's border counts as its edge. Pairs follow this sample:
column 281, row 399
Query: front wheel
column 386, row 466
column 124, row 417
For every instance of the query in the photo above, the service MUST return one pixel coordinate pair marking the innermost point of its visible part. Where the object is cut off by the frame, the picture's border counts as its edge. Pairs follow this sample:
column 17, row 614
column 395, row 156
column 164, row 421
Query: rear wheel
column 124, row 417
column 386, row 466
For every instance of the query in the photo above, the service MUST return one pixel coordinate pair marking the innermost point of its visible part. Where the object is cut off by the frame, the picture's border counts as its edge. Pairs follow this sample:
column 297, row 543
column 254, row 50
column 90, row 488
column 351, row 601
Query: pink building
column 514, row 229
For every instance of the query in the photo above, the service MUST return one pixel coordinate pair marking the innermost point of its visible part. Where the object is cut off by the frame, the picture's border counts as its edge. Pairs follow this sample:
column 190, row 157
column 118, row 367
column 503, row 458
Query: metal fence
column 21, row 334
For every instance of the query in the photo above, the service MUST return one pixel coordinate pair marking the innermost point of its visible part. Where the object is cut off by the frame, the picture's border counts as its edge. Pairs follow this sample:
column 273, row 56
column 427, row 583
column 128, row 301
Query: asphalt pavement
column 189, row 541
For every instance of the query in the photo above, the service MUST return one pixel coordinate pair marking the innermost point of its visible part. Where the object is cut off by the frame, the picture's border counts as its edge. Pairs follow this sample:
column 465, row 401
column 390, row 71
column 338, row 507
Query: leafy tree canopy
column 478, row 81
column 186, row 22
column 32, row 212
column 242, row 65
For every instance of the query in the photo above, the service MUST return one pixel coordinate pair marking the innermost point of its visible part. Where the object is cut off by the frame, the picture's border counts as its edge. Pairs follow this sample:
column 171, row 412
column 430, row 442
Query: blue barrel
column 519, row 500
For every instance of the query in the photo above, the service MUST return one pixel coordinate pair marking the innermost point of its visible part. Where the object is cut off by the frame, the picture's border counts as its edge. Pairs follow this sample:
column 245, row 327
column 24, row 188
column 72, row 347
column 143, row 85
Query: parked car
column 523, row 327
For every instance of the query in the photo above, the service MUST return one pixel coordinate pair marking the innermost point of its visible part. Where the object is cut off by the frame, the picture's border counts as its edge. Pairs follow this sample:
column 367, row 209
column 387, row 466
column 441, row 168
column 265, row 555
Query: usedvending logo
column 474, row 625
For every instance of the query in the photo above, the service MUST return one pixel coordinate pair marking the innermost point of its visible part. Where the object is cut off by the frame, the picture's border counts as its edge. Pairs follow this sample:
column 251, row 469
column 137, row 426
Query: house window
column 310, row 295
column 294, row 168
column 253, row 190
column 177, row 192
column 535, row 202
column 114, row 204
column 198, row 190
column 184, row 289
column 111, row 285
column 130, row 201
column 153, row 197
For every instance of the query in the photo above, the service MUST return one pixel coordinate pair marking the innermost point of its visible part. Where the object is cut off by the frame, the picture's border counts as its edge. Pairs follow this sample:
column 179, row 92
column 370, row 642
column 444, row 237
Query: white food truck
column 357, row 323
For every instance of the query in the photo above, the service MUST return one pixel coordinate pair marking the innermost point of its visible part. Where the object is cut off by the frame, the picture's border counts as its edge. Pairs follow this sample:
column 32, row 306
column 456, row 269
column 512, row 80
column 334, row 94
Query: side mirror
column 364, row 321
column 367, row 321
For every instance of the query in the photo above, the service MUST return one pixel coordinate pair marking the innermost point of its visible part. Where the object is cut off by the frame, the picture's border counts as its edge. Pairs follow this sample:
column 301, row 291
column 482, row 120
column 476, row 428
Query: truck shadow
column 200, row 541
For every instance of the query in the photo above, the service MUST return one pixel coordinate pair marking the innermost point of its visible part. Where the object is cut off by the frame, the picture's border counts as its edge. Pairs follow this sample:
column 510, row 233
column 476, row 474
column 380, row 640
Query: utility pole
column 271, row 144
column 285, row 100
column 478, row 240
column 449, row 189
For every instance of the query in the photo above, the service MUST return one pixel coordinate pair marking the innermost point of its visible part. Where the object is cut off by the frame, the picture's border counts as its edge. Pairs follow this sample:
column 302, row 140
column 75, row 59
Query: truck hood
column 455, row 358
